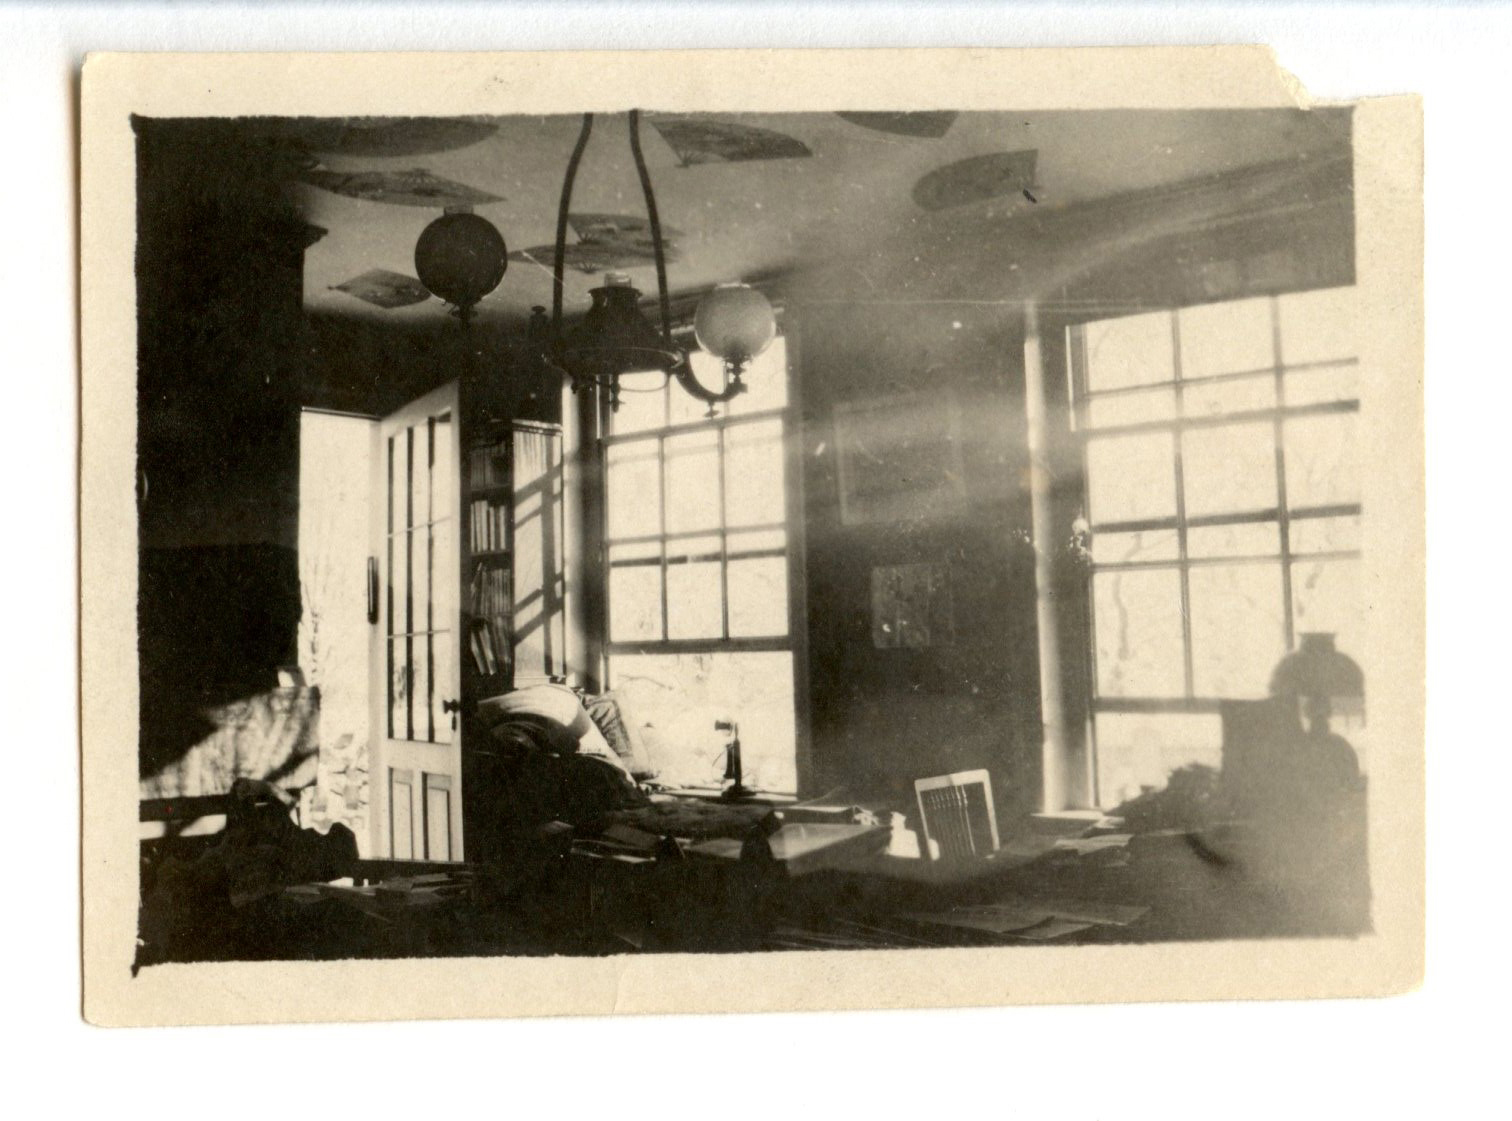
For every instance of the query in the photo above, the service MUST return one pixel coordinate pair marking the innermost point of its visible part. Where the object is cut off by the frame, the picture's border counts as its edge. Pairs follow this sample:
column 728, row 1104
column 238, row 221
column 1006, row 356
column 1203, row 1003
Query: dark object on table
column 737, row 790
column 202, row 909
column 1193, row 798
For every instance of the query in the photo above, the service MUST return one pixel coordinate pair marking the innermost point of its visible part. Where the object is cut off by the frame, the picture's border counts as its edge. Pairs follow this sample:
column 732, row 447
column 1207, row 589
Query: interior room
column 652, row 532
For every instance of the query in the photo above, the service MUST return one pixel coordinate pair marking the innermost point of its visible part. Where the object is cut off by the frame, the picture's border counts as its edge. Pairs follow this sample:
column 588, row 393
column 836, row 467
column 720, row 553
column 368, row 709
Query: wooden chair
column 957, row 816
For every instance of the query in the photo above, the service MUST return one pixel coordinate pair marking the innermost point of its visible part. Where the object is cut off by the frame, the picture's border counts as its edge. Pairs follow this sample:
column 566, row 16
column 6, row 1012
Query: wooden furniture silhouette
column 957, row 816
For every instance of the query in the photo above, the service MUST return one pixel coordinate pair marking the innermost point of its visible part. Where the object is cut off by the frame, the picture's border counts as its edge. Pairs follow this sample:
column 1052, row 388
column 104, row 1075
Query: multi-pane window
column 696, row 540
column 1223, row 499
column 421, row 543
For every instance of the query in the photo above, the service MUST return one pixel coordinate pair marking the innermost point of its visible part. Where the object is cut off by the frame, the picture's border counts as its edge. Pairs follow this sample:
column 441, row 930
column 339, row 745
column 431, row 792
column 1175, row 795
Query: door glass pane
column 1130, row 477
column 634, row 489
column 1138, row 618
column 399, row 677
column 444, row 470
column 1237, row 634
column 444, row 576
column 1318, row 326
column 1135, row 350
column 403, row 591
column 398, row 460
column 1226, row 338
column 754, row 481
column 420, row 682
column 693, row 481
column 1230, row 469
column 420, row 473
column 443, row 684
column 1321, row 465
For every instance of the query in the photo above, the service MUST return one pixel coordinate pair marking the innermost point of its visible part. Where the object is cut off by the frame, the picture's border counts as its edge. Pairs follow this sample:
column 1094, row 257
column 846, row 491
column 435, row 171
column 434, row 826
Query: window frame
column 1283, row 514
column 721, row 425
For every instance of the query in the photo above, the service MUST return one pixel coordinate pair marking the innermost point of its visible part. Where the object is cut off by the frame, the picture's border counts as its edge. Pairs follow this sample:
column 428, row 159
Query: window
column 696, row 538
column 1223, row 500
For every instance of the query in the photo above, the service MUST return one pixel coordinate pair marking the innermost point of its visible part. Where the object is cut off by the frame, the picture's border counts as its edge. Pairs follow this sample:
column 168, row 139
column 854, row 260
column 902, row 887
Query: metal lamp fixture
column 734, row 322
column 461, row 258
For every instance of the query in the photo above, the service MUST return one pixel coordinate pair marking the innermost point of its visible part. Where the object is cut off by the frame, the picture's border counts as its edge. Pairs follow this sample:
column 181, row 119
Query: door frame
column 387, row 755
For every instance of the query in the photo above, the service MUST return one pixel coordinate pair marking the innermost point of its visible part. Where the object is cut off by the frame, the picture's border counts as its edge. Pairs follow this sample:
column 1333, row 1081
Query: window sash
column 665, row 554
column 1280, row 514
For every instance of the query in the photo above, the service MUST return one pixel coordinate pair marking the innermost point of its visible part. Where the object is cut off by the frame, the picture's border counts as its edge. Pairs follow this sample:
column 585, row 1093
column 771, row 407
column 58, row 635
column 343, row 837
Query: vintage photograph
column 675, row 529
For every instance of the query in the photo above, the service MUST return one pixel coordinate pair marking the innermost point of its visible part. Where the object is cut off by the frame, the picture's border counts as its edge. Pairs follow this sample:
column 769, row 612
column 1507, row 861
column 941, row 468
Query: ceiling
column 748, row 217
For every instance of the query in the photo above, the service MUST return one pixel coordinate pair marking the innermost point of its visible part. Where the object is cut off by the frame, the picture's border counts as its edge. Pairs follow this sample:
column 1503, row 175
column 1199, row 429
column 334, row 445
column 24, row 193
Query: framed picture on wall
column 911, row 606
column 900, row 458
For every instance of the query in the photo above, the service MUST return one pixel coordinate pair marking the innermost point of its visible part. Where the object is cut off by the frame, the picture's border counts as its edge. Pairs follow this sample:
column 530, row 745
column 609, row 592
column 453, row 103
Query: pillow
column 558, row 715
column 608, row 713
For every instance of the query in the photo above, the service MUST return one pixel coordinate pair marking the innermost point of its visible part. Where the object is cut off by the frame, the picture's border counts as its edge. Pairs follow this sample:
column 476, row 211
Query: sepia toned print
column 580, row 544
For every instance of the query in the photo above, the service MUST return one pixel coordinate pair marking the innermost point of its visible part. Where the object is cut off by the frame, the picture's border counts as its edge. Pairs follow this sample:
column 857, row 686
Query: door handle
column 452, row 707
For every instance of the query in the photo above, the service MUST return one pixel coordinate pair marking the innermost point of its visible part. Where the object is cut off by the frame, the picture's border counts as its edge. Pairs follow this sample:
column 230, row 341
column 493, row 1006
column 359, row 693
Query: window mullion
column 430, row 579
column 1283, row 515
column 409, row 582
column 724, row 539
column 661, row 526
column 1181, row 526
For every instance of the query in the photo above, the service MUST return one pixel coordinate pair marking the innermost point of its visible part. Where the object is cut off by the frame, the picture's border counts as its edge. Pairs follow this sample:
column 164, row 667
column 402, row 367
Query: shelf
column 489, row 554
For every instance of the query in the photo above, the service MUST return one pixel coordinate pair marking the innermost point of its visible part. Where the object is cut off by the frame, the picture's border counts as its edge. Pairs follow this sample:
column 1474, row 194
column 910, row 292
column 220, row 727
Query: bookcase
column 513, row 579
column 488, row 585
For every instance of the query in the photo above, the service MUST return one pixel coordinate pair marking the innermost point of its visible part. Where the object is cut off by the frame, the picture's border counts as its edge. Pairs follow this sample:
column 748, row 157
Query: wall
column 885, row 716
column 218, row 266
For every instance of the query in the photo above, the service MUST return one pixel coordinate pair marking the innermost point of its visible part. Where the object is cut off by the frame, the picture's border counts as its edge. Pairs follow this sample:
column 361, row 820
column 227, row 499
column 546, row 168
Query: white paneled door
column 416, row 768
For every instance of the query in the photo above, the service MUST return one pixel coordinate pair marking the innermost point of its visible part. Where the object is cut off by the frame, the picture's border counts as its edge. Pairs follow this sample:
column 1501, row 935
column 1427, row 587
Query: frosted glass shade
column 734, row 322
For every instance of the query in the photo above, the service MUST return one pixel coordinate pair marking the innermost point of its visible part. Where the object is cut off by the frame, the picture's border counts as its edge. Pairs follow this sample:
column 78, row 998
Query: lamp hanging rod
column 655, row 221
column 559, row 264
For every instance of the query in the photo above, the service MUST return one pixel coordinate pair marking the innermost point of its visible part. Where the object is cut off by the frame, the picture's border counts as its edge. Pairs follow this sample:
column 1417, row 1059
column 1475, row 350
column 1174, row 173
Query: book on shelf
column 488, row 526
column 485, row 655
column 488, row 465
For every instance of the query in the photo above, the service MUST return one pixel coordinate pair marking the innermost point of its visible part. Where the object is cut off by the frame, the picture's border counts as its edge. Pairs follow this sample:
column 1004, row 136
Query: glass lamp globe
column 734, row 322
column 461, row 258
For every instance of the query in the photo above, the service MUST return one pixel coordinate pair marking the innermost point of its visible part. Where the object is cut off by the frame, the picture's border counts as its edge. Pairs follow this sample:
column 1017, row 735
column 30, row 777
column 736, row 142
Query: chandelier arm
column 656, row 236
column 560, row 261
column 689, row 381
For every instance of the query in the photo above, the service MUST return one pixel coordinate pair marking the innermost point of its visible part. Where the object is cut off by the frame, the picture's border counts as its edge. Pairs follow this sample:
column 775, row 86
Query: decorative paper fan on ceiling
column 703, row 140
column 598, row 256
column 977, row 179
column 385, row 289
column 606, row 241
column 931, row 124
column 383, row 136
column 632, row 228
column 416, row 187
